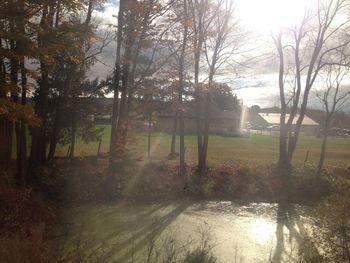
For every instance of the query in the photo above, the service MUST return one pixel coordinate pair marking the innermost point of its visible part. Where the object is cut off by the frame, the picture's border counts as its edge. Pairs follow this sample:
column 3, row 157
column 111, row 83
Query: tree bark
column 182, row 170
column 198, row 13
column 14, row 67
column 55, row 132
column 123, row 121
column 5, row 143
column 115, row 83
column 38, row 147
column 323, row 152
column 149, row 135
column 206, row 133
column 122, row 126
column 73, row 136
column 283, row 155
column 172, row 153
column 5, row 125
column 21, row 134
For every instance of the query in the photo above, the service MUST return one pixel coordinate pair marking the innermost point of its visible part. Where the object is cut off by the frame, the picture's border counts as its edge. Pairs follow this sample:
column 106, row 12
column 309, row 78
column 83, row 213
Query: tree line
column 165, row 49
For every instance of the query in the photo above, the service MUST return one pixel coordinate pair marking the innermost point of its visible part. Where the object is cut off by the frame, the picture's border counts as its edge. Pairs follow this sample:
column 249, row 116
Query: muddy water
column 255, row 232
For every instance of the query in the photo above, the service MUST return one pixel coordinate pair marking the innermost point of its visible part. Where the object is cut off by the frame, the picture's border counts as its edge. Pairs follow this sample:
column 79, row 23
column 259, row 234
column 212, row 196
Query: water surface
column 255, row 232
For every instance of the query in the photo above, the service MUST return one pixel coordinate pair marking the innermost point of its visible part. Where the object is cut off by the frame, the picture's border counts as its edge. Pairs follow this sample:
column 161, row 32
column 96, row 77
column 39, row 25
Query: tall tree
column 201, row 18
column 182, row 169
column 116, row 80
column 138, row 52
column 16, row 44
column 219, row 46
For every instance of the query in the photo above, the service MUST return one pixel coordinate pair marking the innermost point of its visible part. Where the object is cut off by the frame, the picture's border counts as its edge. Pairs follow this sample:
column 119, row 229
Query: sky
column 259, row 83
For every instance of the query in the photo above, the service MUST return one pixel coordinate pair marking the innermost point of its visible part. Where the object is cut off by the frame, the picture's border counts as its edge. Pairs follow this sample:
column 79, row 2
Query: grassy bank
column 89, row 179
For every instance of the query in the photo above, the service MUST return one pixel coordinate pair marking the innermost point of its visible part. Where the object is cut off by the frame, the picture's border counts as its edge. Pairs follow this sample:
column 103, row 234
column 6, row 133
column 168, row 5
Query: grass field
column 254, row 149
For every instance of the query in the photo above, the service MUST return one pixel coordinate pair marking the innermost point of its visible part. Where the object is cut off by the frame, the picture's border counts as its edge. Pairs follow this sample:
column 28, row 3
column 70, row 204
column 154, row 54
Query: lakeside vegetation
column 175, row 60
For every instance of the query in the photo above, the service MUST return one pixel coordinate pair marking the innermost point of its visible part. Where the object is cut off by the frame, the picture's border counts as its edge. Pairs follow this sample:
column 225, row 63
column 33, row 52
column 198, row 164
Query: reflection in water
column 258, row 232
column 287, row 219
column 261, row 230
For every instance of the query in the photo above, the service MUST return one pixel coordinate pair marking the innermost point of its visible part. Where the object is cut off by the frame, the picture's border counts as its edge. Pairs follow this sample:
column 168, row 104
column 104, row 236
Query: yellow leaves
column 15, row 112
column 75, row 59
column 47, row 60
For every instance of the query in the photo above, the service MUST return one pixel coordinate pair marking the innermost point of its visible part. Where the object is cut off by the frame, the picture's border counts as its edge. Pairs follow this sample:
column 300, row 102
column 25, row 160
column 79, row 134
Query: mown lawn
column 255, row 149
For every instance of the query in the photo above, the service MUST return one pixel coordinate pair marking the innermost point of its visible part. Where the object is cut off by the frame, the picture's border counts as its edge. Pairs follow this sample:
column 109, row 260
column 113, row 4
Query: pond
column 231, row 232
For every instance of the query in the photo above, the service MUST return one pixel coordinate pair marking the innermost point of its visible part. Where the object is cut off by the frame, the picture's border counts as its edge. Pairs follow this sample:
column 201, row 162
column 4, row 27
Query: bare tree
column 201, row 18
column 303, row 51
column 220, row 45
column 182, row 170
column 333, row 97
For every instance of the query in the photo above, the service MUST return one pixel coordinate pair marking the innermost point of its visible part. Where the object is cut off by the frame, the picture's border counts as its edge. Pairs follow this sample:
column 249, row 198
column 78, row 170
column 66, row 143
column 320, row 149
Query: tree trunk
column 122, row 126
column 14, row 65
column 172, row 153
column 6, row 129
column 323, row 147
column 73, row 135
column 5, row 126
column 149, row 135
column 89, row 12
column 38, row 147
column 55, row 132
column 114, row 121
column 21, row 135
column 182, row 170
column 323, row 153
column 123, row 121
column 292, row 143
column 283, row 139
column 206, row 133
column 198, row 17
column 115, row 83
column 199, row 129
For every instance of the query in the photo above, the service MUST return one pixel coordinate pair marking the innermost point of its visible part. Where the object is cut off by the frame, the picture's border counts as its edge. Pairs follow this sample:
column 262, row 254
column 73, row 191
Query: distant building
column 266, row 121
column 222, row 122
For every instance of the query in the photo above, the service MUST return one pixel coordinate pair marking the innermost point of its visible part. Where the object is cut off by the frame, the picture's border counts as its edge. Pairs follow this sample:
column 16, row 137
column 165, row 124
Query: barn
column 223, row 122
column 265, row 121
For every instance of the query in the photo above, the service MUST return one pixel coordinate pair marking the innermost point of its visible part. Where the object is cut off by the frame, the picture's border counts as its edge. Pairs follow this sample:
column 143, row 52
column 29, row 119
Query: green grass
column 255, row 149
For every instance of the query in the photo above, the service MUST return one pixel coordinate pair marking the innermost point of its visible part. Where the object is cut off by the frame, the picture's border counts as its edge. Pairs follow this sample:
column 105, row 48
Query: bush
column 199, row 255
column 331, row 229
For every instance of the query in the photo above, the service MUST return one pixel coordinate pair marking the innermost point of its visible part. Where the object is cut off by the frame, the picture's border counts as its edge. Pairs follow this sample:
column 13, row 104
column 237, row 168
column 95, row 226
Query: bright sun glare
column 266, row 16
column 261, row 230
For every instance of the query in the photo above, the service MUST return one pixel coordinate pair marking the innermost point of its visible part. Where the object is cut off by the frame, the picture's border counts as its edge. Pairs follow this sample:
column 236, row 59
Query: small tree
column 78, row 112
column 333, row 97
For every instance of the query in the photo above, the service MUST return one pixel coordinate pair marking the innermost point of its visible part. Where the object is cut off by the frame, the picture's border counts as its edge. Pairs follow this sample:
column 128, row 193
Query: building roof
column 274, row 119
column 224, row 114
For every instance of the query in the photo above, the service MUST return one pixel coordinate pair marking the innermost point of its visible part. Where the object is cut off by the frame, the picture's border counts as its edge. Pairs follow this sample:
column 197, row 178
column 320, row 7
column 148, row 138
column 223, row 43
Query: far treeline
column 166, row 50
